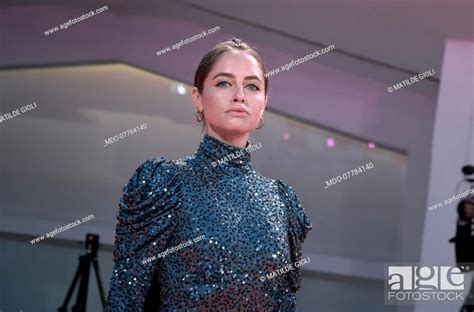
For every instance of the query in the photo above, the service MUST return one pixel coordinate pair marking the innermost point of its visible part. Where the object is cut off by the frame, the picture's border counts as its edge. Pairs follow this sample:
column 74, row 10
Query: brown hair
column 211, row 57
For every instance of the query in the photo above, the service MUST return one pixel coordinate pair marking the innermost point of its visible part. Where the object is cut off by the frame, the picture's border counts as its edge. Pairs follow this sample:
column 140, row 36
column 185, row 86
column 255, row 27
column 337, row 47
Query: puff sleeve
column 147, row 216
column 298, row 227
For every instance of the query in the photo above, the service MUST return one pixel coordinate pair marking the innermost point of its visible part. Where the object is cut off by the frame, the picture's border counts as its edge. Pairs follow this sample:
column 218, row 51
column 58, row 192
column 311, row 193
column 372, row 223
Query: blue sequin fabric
column 250, row 226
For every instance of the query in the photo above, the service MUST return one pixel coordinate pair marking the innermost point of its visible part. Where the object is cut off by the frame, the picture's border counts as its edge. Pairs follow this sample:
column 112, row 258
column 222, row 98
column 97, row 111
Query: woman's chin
column 238, row 129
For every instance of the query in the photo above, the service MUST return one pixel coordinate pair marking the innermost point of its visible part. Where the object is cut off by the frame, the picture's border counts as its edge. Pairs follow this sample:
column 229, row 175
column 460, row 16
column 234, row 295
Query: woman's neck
column 235, row 139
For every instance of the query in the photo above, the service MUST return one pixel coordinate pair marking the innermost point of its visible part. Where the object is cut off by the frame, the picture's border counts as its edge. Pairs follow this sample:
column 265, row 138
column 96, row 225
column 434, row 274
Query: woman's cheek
column 218, row 95
column 258, row 97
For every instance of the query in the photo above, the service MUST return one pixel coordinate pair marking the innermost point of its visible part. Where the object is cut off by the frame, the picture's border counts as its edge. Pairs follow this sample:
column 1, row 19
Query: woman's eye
column 222, row 83
column 250, row 86
column 253, row 87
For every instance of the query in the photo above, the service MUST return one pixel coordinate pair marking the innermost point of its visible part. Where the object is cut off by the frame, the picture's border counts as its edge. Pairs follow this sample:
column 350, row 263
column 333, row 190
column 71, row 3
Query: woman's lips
column 239, row 109
column 237, row 112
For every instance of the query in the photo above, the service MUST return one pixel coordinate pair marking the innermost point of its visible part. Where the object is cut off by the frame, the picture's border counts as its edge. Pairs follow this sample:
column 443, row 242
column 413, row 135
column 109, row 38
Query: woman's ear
column 196, row 98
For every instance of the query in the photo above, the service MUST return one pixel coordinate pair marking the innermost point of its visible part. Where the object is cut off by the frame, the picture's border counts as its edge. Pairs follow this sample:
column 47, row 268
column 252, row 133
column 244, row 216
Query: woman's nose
column 239, row 95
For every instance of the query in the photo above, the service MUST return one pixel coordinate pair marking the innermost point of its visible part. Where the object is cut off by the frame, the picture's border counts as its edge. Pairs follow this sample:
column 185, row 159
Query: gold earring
column 199, row 116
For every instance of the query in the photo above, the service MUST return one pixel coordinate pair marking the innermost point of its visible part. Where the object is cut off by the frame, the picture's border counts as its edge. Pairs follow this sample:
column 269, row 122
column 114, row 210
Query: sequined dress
column 206, row 233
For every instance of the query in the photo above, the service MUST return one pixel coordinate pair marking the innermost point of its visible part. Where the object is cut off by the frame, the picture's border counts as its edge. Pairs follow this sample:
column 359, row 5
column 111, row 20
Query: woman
column 249, row 226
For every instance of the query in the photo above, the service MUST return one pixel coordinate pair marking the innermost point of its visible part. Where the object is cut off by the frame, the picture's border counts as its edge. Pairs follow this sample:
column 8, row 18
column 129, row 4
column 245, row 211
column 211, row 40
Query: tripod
column 92, row 245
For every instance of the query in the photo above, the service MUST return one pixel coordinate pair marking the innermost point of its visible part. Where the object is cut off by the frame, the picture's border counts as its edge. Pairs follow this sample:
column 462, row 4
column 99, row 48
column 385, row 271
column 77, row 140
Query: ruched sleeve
column 148, row 214
column 298, row 227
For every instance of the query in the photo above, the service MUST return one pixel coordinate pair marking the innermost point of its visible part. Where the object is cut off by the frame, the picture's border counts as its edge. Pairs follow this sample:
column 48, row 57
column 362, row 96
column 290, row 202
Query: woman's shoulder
column 159, row 162
column 299, row 227
column 149, row 208
column 288, row 192
column 158, row 168
column 153, row 177
column 299, row 221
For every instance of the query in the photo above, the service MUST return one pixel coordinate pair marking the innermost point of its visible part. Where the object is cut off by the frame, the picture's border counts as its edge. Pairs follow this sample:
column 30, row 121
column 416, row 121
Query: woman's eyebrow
column 233, row 77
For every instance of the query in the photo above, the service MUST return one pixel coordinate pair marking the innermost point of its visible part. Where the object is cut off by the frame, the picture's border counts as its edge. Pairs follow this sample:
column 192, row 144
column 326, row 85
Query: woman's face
column 235, row 82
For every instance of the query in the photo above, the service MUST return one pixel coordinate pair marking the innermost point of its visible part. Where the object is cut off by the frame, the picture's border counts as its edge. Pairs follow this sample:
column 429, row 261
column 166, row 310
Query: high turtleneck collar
column 223, row 155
